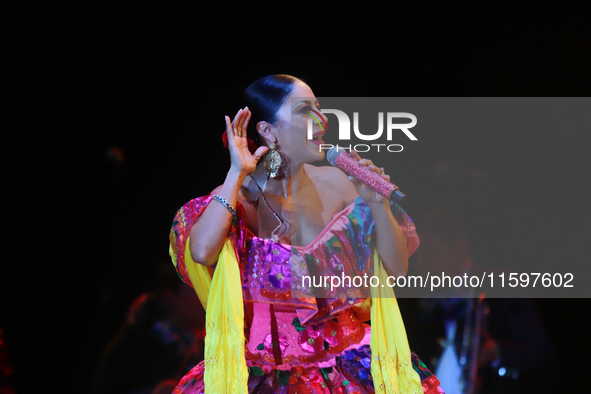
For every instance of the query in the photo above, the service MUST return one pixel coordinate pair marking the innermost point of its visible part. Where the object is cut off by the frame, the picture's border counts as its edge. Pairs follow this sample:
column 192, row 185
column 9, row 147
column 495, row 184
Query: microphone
column 338, row 157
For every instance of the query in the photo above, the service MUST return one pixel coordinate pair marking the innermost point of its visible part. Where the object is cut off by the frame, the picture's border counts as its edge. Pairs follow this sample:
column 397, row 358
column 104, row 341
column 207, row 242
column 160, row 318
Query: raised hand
column 241, row 159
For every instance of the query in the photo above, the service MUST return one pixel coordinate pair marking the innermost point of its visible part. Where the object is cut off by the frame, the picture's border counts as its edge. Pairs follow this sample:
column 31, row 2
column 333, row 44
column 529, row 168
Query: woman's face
column 292, row 126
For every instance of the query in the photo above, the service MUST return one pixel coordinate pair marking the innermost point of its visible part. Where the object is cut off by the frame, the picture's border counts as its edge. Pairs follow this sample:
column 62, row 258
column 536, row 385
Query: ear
column 267, row 131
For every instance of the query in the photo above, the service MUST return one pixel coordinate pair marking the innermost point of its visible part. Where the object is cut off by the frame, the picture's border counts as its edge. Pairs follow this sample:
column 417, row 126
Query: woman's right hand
column 210, row 232
column 242, row 161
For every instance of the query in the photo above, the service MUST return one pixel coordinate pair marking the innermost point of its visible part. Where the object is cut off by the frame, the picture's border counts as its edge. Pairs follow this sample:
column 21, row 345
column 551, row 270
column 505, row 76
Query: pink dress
column 317, row 341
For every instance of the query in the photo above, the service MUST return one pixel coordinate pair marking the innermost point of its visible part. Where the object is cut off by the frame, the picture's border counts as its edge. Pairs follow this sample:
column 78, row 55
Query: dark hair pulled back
column 264, row 97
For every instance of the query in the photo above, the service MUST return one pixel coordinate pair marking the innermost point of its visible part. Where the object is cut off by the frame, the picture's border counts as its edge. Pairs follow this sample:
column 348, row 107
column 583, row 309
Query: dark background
column 87, row 227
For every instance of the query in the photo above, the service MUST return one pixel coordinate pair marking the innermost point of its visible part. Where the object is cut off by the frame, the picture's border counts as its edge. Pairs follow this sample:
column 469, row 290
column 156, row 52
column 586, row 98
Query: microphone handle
column 369, row 178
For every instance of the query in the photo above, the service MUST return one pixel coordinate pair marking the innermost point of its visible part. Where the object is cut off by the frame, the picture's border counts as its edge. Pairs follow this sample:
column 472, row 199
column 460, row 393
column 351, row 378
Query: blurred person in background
column 474, row 344
column 161, row 340
column 6, row 370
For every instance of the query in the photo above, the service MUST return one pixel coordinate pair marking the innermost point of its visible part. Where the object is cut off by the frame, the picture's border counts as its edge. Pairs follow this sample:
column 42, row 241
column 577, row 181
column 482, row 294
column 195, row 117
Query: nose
column 322, row 119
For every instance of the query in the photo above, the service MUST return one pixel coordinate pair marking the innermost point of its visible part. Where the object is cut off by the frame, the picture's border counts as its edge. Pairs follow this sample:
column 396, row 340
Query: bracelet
column 225, row 203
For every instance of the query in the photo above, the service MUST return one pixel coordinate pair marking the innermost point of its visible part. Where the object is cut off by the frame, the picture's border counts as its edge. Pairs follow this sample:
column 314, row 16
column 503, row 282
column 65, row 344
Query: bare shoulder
column 326, row 173
column 335, row 180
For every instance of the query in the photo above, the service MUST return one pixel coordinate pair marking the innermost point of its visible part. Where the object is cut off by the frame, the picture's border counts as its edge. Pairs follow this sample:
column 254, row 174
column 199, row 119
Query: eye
column 306, row 110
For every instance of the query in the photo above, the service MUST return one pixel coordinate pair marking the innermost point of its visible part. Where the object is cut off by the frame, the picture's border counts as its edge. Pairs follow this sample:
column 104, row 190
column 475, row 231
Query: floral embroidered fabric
column 295, row 340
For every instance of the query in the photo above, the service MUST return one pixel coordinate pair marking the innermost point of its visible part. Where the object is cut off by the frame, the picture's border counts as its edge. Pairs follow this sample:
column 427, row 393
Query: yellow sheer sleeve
column 200, row 275
column 391, row 366
column 220, row 292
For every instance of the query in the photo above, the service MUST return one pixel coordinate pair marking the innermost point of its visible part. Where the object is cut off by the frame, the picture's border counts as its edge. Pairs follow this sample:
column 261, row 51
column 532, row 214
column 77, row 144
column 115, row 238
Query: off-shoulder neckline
column 322, row 233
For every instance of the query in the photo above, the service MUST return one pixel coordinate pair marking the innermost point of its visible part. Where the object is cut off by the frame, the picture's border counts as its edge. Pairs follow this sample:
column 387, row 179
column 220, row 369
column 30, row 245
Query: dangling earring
column 272, row 162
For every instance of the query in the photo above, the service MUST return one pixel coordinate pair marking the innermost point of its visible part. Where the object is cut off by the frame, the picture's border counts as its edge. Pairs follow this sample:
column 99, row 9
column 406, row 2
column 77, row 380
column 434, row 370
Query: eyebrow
column 305, row 101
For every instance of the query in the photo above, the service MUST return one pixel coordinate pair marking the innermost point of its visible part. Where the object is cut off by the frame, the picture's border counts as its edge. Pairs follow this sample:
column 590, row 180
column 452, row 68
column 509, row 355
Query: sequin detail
column 350, row 374
column 310, row 345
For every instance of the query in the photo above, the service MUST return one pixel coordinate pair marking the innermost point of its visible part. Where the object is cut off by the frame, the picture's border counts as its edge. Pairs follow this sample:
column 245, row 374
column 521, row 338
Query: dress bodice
column 276, row 273
column 289, row 324
column 303, row 338
column 291, row 321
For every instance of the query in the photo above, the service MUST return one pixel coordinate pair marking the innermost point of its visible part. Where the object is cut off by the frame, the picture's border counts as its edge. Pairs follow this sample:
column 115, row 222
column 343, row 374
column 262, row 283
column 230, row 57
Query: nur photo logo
column 344, row 130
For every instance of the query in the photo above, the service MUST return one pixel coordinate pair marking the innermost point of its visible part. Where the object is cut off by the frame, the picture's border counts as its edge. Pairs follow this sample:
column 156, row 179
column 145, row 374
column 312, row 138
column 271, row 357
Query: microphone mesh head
column 332, row 154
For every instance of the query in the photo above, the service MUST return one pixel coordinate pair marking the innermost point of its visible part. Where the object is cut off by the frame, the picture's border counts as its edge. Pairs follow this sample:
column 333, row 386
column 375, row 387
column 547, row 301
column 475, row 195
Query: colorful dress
column 298, row 339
